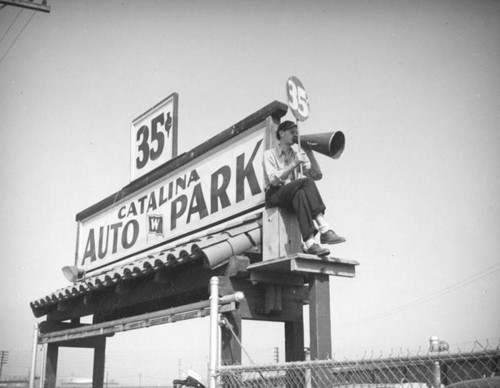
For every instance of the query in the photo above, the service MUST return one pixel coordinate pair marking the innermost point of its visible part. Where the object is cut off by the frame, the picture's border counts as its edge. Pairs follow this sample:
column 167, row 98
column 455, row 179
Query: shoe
column 330, row 237
column 317, row 250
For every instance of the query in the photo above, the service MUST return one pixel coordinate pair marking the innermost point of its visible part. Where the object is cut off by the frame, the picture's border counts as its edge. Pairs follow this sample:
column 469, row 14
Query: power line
column 11, row 24
column 446, row 290
column 17, row 36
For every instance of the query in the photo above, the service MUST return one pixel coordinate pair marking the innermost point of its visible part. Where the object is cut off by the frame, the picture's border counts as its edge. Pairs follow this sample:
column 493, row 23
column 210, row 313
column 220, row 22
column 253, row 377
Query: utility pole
column 28, row 4
column 276, row 355
column 4, row 358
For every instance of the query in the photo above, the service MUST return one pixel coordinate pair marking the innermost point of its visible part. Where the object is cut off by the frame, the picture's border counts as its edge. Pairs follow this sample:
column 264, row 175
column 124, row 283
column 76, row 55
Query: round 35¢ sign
column 297, row 98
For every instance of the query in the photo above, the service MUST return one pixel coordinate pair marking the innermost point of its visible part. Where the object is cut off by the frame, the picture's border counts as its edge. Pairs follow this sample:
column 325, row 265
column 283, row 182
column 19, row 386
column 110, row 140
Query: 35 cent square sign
column 154, row 137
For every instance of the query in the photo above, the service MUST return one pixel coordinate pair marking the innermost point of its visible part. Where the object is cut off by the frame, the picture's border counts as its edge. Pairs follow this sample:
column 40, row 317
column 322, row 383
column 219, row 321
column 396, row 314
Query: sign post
column 298, row 102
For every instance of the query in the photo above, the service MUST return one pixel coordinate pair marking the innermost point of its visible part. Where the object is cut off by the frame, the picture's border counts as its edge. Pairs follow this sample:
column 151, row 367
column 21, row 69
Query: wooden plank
column 49, row 326
column 253, row 306
column 281, row 234
column 286, row 279
column 280, row 265
column 87, row 343
column 305, row 264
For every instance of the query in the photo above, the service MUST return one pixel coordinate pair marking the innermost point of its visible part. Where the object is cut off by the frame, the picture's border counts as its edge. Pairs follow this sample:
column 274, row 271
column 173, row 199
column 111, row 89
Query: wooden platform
column 304, row 264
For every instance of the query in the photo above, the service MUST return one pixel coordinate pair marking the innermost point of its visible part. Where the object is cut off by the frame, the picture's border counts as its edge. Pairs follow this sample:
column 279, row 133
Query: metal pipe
column 33, row 357
column 42, row 366
column 436, row 375
column 214, row 332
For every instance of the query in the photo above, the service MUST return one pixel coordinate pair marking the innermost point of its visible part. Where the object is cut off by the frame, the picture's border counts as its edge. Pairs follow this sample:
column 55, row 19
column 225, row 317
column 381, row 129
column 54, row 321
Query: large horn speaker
column 330, row 143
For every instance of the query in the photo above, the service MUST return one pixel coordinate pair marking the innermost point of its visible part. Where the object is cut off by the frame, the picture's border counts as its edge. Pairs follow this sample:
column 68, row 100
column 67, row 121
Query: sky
column 414, row 86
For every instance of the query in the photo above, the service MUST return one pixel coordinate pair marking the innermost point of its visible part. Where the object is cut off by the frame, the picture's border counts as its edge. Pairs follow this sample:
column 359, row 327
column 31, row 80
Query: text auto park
column 186, row 199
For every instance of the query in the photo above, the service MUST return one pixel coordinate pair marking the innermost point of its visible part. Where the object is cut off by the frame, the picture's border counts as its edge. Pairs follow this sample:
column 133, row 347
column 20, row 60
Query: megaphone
column 329, row 143
column 72, row 273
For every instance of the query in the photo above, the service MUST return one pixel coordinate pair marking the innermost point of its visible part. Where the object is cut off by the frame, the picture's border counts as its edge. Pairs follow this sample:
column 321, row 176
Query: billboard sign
column 216, row 186
column 154, row 137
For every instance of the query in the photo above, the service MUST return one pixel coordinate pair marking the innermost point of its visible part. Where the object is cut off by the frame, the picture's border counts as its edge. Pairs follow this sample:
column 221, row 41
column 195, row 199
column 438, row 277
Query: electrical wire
column 10, row 26
column 17, row 36
column 446, row 290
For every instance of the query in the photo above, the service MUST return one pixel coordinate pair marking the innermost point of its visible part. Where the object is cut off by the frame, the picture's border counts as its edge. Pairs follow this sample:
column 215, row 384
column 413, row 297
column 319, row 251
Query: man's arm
column 276, row 175
column 312, row 169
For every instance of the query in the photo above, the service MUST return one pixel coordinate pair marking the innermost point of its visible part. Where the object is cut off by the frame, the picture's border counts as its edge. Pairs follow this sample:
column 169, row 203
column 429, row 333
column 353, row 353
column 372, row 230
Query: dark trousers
column 301, row 197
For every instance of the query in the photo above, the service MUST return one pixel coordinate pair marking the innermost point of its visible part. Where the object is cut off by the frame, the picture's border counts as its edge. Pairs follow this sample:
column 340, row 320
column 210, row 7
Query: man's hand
column 303, row 159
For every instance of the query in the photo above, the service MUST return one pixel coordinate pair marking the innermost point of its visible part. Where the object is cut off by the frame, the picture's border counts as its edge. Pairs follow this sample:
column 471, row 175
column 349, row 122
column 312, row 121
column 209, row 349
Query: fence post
column 214, row 331
column 33, row 357
column 436, row 373
column 308, row 370
column 42, row 366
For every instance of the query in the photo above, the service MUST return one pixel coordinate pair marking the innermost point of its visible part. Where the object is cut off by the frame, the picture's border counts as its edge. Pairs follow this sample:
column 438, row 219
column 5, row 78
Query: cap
column 285, row 126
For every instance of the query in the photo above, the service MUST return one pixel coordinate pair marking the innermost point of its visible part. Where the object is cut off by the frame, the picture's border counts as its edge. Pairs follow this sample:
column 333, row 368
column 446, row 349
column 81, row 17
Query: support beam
column 253, row 306
column 80, row 336
column 319, row 317
column 99, row 359
column 294, row 341
column 51, row 366
column 294, row 351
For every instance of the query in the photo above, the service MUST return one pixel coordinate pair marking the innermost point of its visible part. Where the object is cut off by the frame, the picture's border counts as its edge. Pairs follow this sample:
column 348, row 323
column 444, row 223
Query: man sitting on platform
column 285, row 189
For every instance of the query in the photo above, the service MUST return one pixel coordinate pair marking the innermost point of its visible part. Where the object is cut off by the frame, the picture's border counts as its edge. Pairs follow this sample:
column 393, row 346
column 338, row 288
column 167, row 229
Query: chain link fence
column 430, row 370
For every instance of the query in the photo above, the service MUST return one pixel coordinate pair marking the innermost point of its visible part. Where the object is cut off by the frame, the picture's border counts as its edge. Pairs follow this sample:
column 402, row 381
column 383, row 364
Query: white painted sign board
column 154, row 137
column 220, row 184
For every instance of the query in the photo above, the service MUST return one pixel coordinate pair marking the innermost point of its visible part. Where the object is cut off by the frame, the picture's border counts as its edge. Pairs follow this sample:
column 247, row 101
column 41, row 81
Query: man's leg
column 302, row 209
column 317, row 209
column 314, row 199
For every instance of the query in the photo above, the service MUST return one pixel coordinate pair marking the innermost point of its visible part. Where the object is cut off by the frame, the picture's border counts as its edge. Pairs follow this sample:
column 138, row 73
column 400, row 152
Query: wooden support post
column 273, row 299
column 294, row 351
column 294, row 341
column 98, row 344
column 51, row 366
column 230, row 348
column 319, row 317
column 99, row 359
